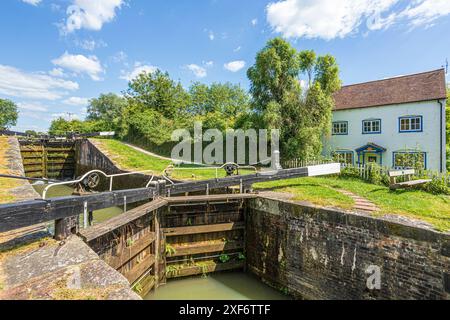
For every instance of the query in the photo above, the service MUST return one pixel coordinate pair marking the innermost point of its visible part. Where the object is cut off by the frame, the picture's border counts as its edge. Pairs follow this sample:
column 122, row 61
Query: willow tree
column 279, row 103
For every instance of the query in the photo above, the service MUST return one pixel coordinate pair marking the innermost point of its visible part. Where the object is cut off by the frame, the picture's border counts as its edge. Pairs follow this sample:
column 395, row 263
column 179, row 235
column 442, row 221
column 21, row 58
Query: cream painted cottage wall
column 430, row 140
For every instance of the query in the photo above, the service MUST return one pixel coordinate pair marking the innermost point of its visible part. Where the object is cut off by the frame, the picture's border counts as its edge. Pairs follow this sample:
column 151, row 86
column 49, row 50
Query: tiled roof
column 412, row 88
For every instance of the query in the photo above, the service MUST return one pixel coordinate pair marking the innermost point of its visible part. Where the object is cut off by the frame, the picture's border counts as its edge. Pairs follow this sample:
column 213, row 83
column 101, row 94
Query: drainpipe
column 441, row 137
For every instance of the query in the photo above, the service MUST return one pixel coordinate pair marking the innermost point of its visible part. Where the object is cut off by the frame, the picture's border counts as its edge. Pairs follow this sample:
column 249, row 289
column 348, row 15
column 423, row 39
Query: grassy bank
column 130, row 159
column 322, row 191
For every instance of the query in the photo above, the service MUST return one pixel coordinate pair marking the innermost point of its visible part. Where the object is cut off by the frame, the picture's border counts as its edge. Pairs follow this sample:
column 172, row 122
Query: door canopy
column 371, row 148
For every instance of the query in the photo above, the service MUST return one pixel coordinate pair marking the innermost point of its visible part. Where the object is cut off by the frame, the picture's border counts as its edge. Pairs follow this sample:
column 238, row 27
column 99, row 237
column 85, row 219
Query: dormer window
column 372, row 126
column 411, row 124
column 340, row 128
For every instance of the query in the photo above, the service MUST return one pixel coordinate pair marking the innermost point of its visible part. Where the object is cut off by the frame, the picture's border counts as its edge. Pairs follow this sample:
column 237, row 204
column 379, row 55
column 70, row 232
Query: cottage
column 396, row 122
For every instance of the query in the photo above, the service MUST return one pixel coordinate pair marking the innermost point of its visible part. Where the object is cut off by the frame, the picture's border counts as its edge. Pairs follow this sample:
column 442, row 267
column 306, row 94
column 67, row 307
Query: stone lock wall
column 315, row 253
column 89, row 157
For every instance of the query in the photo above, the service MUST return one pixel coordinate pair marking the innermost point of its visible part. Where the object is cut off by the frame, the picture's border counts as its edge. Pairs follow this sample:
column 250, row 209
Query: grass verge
column 133, row 160
column 434, row 209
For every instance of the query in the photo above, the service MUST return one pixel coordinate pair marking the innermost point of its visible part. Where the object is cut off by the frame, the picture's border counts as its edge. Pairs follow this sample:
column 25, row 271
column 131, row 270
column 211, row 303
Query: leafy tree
column 218, row 105
column 156, row 105
column 158, row 92
column 303, row 118
column 106, row 111
column 8, row 114
column 327, row 74
column 31, row 133
column 274, row 74
column 307, row 63
column 61, row 127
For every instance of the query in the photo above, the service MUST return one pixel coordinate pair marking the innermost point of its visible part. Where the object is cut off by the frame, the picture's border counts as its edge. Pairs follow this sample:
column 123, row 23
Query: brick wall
column 315, row 253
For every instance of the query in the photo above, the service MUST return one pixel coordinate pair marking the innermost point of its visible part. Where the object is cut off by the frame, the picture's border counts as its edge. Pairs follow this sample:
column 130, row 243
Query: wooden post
column 90, row 218
column 161, row 188
column 157, row 249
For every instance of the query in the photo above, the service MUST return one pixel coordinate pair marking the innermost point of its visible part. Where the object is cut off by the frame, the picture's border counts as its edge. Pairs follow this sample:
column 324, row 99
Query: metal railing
column 108, row 176
column 167, row 170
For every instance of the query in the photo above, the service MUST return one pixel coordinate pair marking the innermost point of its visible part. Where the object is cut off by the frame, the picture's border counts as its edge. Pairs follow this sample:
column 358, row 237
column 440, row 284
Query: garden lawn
column 133, row 160
column 434, row 209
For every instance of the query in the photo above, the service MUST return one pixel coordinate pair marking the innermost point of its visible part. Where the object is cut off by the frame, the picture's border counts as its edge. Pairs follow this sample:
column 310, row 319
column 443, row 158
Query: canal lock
column 177, row 240
column 161, row 241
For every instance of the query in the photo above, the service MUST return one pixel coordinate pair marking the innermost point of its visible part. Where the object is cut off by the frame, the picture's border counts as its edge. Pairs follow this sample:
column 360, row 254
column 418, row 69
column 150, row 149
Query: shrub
column 374, row 174
column 385, row 180
column 437, row 186
column 224, row 258
column 350, row 172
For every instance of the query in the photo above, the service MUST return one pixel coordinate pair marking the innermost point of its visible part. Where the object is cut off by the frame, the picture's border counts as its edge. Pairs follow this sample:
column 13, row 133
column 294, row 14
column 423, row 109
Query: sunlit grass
column 321, row 191
column 434, row 209
column 130, row 159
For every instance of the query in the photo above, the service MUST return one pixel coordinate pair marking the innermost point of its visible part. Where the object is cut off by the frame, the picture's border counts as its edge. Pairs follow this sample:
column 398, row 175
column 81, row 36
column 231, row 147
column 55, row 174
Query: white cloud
column 32, row 106
column 254, row 22
column 17, row 83
column 138, row 69
column 426, row 12
column 90, row 14
column 237, row 49
column 234, row 66
column 90, row 44
column 80, row 64
column 33, row 115
column 76, row 101
column 209, row 64
column 120, row 57
column 329, row 19
column 198, row 71
column 57, row 72
column 32, row 2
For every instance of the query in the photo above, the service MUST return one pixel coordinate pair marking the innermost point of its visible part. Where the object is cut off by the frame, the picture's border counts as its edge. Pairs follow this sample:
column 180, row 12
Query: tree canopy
column 154, row 105
column 8, row 114
column 302, row 117
column 106, row 111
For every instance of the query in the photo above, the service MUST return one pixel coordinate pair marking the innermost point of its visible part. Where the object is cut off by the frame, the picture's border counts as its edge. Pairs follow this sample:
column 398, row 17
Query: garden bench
column 408, row 174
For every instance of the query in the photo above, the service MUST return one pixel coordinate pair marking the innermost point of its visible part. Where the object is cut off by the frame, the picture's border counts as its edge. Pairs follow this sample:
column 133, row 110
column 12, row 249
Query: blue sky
column 57, row 54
